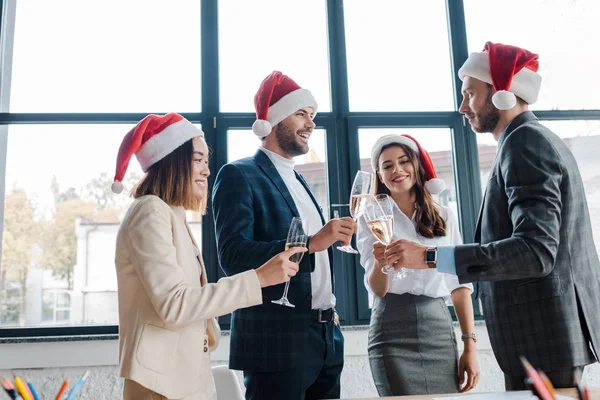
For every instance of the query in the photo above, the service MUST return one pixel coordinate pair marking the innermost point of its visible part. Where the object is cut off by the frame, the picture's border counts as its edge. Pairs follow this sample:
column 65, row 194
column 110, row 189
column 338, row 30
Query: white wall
column 47, row 364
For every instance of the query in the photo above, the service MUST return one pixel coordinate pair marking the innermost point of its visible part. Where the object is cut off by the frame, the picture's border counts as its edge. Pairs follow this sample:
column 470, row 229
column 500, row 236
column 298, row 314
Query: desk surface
column 594, row 394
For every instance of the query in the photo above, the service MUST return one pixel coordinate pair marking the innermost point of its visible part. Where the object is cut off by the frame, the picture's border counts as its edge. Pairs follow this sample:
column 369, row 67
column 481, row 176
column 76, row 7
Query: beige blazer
column 166, row 309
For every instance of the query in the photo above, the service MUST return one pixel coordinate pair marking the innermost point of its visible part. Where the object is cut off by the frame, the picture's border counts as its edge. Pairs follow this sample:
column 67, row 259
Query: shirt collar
column 279, row 161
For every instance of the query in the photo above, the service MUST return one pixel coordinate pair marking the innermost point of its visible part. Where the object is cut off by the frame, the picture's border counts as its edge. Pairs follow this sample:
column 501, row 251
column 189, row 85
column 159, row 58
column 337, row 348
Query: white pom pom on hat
column 435, row 186
column 261, row 128
column 504, row 100
column 116, row 187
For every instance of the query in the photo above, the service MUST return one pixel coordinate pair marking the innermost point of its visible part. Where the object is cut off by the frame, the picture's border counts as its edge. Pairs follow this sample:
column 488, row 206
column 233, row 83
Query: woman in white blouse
column 412, row 346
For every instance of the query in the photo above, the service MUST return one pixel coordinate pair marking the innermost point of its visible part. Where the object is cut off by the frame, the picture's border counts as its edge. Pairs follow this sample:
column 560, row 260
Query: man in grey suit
column 534, row 254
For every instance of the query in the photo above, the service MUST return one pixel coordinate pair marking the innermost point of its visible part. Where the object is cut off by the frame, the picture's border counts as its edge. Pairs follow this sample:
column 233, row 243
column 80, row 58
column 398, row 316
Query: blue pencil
column 33, row 392
column 73, row 393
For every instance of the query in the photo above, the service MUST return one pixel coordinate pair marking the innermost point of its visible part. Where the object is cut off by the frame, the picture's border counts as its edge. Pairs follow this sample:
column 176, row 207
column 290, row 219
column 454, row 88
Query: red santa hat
column 433, row 184
column 151, row 140
column 509, row 69
column 277, row 98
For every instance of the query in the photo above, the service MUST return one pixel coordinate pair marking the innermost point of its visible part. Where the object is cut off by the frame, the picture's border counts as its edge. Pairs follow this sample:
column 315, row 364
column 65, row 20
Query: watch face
column 430, row 254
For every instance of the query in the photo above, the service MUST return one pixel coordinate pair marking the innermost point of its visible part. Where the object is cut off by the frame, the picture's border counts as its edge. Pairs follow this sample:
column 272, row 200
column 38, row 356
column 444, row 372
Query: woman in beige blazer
column 167, row 310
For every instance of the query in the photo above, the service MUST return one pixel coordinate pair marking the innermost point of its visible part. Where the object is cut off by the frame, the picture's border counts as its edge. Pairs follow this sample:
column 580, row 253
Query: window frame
column 341, row 128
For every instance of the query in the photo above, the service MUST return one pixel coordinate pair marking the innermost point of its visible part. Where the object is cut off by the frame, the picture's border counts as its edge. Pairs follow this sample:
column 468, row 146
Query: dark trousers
column 563, row 378
column 315, row 376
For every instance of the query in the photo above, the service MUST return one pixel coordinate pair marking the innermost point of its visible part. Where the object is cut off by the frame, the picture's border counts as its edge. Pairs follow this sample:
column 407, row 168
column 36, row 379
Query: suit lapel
column 269, row 169
column 478, row 227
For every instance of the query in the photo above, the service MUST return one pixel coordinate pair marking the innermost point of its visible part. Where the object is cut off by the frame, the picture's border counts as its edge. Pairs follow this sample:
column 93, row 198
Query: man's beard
column 487, row 118
column 289, row 142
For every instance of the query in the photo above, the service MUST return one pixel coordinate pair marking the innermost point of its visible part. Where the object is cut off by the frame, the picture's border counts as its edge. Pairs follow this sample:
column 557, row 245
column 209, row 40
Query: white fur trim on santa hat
column 386, row 140
column 286, row 106
column 525, row 84
column 163, row 143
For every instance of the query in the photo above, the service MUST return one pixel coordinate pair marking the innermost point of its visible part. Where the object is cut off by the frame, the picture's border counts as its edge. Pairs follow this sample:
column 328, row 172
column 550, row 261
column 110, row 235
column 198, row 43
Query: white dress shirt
column 320, row 278
column 426, row 282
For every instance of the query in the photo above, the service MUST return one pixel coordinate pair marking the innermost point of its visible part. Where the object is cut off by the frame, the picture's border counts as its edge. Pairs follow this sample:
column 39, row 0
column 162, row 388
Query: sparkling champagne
column 357, row 204
column 298, row 256
column 383, row 229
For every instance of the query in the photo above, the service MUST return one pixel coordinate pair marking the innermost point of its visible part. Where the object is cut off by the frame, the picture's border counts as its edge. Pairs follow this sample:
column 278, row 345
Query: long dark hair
column 429, row 221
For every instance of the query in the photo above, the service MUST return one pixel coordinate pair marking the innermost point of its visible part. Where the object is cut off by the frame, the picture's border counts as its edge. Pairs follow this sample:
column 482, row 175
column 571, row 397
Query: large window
column 60, row 224
column 398, row 56
column 106, row 56
column 76, row 76
column 259, row 36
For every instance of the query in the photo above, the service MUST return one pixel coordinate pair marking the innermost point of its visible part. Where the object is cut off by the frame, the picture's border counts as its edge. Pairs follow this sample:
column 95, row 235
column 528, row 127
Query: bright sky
column 66, row 60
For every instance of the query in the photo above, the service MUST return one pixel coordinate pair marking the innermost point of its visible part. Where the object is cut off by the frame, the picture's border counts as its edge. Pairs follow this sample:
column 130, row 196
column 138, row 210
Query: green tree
column 60, row 244
column 94, row 202
column 98, row 190
column 59, row 197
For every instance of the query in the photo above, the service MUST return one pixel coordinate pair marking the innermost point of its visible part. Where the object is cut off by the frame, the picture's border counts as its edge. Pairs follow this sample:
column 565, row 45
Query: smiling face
column 396, row 169
column 200, row 171
column 292, row 134
column 477, row 105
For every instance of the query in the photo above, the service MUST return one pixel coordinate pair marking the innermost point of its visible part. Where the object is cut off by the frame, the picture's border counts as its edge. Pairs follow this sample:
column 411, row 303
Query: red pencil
column 61, row 391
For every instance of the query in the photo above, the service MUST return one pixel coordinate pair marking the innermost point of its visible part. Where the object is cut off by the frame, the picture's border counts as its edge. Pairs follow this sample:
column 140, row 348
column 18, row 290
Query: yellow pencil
column 24, row 393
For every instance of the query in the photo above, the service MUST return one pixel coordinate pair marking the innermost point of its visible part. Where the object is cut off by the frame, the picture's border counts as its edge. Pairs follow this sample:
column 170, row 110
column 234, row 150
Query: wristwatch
column 469, row 336
column 431, row 257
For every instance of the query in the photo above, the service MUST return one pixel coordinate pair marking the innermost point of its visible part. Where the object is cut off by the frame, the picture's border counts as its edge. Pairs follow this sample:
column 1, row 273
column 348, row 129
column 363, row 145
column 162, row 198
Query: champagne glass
column 361, row 187
column 297, row 237
column 379, row 213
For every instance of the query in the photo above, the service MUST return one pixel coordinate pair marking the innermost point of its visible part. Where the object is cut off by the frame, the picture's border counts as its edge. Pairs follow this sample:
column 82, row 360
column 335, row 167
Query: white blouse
column 426, row 282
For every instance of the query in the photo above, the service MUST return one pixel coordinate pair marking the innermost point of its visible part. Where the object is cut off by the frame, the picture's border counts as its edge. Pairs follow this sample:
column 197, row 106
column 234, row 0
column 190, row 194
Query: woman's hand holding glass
column 379, row 253
column 379, row 214
column 280, row 268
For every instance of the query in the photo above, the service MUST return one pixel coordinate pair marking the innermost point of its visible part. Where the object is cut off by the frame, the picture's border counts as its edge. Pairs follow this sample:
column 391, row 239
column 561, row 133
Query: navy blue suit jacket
column 253, row 209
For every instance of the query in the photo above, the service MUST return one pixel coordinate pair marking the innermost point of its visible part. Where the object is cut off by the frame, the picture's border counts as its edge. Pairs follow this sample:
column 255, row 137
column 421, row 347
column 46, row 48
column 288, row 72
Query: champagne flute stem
column 287, row 287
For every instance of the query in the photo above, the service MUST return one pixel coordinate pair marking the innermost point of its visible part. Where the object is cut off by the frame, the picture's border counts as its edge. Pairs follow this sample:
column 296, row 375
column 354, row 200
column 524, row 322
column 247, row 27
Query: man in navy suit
column 285, row 353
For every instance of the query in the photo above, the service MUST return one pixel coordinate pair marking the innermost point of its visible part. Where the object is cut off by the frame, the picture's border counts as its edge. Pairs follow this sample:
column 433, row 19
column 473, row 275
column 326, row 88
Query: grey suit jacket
column 535, row 255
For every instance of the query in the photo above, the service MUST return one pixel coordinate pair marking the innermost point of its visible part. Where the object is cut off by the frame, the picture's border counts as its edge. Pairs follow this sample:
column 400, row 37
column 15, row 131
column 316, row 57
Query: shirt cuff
column 445, row 260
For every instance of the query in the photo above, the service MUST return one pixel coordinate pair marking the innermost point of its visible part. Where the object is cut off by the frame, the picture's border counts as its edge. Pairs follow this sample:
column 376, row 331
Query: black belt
column 322, row 316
